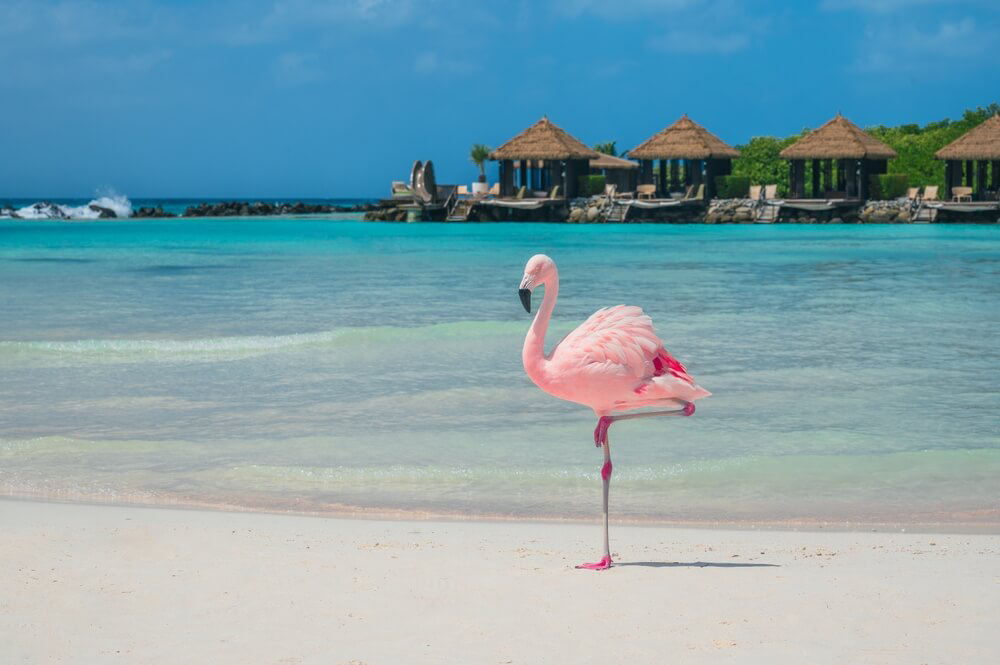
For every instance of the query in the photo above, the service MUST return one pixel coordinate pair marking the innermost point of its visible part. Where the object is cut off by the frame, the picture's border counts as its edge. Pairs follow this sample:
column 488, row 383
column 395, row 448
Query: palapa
column 685, row 139
column 611, row 162
column 839, row 138
column 982, row 142
column 544, row 140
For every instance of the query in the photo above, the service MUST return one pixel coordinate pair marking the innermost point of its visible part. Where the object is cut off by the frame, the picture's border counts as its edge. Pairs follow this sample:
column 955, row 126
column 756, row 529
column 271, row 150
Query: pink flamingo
column 613, row 362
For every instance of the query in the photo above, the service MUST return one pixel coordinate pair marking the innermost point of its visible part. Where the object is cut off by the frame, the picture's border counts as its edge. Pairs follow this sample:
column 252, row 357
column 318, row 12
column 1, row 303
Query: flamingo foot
column 603, row 564
column 689, row 409
column 601, row 432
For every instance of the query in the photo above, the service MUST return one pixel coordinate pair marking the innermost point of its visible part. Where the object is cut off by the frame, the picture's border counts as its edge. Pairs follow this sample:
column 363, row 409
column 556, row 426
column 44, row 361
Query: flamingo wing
column 622, row 339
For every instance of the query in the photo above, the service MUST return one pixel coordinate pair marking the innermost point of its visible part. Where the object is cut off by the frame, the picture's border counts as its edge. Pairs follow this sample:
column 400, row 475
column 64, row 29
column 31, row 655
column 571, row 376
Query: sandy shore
column 97, row 584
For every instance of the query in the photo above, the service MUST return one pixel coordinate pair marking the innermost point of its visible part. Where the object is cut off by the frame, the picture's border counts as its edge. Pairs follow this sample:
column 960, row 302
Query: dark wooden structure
column 622, row 173
column 688, row 154
column 975, row 158
column 547, row 156
column 843, row 158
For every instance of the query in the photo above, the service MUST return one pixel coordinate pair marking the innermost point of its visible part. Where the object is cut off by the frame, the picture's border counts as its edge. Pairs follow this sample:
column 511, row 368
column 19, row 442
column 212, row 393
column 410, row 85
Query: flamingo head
column 537, row 271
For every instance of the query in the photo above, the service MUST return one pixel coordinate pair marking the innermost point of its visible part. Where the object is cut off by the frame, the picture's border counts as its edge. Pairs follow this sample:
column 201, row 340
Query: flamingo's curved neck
column 533, row 354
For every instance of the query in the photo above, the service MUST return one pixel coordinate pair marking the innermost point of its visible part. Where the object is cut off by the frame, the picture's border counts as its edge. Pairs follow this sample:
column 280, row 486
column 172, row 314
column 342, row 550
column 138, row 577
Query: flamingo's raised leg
column 601, row 439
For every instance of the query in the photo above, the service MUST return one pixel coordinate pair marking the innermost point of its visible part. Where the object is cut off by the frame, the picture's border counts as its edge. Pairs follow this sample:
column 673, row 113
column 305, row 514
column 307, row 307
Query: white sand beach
column 102, row 584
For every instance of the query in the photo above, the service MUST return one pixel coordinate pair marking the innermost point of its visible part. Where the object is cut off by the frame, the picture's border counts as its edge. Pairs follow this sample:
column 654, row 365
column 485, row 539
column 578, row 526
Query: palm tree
column 479, row 154
column 607, row 148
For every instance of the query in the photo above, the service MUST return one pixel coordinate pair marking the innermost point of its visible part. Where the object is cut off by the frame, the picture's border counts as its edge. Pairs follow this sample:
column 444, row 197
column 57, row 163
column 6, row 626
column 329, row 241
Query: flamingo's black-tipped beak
column 525, row 295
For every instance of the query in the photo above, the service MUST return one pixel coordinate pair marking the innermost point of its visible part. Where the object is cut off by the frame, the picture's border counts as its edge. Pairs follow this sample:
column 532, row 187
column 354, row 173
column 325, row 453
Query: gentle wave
column 242, row 346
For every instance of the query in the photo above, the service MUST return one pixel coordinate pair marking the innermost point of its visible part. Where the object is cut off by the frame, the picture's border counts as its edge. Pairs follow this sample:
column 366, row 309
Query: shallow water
column 318, row 364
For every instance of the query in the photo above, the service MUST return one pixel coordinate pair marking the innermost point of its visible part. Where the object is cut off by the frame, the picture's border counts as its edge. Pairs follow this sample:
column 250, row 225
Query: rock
column 592, row 213
column 102, row 212
column 576, row 215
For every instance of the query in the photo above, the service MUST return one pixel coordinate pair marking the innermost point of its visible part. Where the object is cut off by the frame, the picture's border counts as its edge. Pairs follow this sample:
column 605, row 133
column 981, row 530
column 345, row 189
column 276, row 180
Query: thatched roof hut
column 977, row 148
column 858, row 155
column 610, row 162
column 543, row 140
column 685, row 139
column 839, row 138
column 622, row 173
column 980, row 142
column 547, row 156
column 705, row 156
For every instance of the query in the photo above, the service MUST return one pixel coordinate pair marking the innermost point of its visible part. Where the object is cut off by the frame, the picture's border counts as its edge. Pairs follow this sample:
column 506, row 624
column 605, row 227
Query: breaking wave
column 109, row 205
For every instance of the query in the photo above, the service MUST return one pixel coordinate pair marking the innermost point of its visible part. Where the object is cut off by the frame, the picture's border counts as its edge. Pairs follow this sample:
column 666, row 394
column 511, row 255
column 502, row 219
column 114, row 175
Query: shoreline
column 374, row 513
column 131, row 585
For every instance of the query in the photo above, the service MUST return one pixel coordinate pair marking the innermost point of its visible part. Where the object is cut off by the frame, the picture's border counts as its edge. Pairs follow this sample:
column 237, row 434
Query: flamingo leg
column 605, row 561
column 601, row 439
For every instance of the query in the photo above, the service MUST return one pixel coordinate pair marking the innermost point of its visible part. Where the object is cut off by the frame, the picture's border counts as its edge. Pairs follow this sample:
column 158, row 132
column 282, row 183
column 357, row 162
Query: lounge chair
column 958, row 194
column 554, row 193
column 931, row 193
column 755, row 191
column 695, row 193
column 520, row 192
column 770, row 192
column 463, row 190
column 646, row 191
column 400, row 190
column 913, row 193
column 495, row 189
column 611, row 191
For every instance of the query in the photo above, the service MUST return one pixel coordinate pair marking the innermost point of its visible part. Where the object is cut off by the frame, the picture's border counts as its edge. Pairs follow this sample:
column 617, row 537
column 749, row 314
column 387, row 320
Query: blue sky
column 304, row 98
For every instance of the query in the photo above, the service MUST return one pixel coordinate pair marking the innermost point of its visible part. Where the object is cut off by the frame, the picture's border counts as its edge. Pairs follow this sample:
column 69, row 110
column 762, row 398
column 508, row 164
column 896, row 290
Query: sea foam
column 119, row 204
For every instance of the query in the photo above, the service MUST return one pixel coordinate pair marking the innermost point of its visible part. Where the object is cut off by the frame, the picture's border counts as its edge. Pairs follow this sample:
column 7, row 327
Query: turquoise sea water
column 313, row 365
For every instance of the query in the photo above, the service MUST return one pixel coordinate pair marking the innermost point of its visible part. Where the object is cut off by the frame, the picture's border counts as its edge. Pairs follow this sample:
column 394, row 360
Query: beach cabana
column 979, row 151
column 691, row 154
column 841, row 144
column 622, row 173
column 547, row 157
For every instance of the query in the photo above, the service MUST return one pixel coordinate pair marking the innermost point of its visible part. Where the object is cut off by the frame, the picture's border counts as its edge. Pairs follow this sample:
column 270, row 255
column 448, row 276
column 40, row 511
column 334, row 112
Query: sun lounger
column 931, row 193
column 770, row 192
column 913, row 193
column 495, row 189
column 958, row 194
column 520, row 192
column 755, row 191
column 646, row 191
column 611, row 191
column 695, row 193
column 554, row 193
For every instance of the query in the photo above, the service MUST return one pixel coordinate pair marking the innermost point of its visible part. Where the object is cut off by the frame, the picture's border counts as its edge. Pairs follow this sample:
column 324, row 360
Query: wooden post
column 980, row 179
column 815, row 178
column 968, row 172
column 675, row 174
column 828, row 175
column 995, row 177
column 949, row 166
column 791, row 178
column 661, row 180
column 522, row 165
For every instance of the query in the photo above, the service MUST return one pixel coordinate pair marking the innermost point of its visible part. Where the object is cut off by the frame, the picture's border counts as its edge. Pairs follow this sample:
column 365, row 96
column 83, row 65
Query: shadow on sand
column 694, row 564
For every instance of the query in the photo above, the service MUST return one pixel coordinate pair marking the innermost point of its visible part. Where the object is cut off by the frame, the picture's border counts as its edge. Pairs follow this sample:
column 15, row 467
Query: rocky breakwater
column 887, row 212
column 262, row 208
column 731, row 211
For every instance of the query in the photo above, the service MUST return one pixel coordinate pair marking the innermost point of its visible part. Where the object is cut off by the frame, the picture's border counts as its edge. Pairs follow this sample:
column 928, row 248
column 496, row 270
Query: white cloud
column 899, row 47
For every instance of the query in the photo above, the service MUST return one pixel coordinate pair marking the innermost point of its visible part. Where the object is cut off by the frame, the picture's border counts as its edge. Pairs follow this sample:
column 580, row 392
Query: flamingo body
column 613, row 363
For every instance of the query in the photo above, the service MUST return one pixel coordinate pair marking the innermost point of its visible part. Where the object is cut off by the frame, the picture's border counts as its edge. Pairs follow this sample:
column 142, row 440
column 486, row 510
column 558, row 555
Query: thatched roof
column 980, row 142
column 610, row 162
column 685, row 139
column 839, row 138
column 543, row 140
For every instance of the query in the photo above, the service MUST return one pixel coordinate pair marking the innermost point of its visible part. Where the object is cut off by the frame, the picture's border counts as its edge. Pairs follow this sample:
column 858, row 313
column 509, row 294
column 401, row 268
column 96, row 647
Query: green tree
column 608, row 148
column 479, row 154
